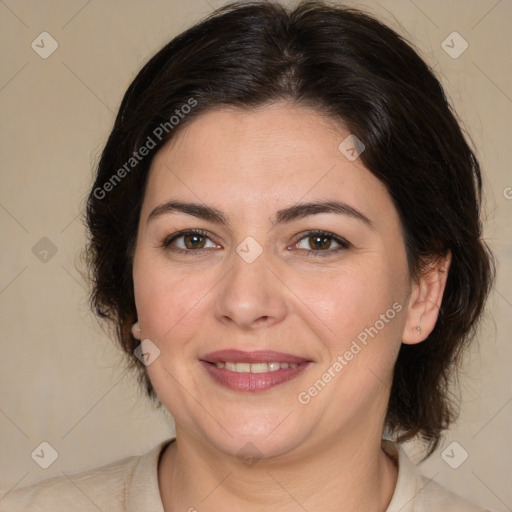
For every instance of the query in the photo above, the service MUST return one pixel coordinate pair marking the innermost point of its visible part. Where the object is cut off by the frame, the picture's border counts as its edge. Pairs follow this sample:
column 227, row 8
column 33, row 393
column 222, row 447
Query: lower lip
column 252, row 382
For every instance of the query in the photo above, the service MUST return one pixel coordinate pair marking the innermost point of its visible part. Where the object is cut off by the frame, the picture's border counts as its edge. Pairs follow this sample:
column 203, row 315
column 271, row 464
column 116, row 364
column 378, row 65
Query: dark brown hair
column 351, row 67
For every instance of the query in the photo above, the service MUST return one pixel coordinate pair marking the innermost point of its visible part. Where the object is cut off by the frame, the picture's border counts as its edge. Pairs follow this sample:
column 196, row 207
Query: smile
column 252, row 371
column 255, row 367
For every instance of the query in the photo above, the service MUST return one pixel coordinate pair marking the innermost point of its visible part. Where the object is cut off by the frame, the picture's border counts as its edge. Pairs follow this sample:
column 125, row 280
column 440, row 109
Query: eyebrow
column 283, row 216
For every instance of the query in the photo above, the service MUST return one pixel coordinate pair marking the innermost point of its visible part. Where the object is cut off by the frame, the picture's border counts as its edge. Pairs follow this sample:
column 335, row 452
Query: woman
column 284, row 229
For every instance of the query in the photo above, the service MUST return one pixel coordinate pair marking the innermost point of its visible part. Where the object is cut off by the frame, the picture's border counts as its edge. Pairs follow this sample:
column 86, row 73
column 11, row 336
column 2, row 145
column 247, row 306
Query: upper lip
column 257, row 356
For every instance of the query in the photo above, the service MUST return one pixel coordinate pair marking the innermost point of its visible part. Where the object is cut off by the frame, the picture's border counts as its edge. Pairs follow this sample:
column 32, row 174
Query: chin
column 246, row 435
column 253, row 446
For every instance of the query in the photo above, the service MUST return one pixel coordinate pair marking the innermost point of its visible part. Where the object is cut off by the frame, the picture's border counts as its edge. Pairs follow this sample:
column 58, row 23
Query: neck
column 352, row 473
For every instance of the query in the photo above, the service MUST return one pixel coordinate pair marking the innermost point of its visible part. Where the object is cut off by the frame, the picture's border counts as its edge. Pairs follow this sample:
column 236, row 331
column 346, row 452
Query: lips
column 259, row 356
column 252, row 371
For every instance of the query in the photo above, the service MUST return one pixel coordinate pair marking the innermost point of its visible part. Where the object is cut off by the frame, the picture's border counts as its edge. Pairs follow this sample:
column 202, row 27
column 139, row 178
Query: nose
column 251, row 295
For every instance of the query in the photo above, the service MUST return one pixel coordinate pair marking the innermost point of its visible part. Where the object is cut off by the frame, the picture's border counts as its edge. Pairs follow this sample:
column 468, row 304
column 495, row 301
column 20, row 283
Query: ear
column 136, row 331
column 425, row 301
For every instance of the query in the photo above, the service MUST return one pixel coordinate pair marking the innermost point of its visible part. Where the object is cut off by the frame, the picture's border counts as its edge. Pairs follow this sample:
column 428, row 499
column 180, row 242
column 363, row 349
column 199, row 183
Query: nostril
column 262, row 319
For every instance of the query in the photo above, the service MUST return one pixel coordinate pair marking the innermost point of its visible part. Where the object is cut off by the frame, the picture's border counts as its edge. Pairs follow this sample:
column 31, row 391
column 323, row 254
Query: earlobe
column 425, row 300
column 136, row 331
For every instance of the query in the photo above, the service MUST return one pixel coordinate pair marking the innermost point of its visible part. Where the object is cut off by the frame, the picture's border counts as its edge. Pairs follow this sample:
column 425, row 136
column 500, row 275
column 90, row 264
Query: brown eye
column 189, row 241
column 319, row 242
column 194, row 241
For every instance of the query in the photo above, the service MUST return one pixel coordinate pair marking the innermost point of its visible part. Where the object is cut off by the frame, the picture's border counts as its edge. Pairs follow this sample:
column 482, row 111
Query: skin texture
column 323, row 455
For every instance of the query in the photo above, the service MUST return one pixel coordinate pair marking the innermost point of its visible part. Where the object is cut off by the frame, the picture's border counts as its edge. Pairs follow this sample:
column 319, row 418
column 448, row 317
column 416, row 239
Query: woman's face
column 279, row 320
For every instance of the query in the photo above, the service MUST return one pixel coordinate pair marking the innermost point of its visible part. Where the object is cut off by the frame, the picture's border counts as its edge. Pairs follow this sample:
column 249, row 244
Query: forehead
column 262, row 158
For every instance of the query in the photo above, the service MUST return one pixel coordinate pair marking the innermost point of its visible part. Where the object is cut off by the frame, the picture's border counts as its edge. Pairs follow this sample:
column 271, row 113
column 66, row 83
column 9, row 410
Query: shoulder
column 416, row 493
column 433, row 496
column 109, row 487
column 83, row 491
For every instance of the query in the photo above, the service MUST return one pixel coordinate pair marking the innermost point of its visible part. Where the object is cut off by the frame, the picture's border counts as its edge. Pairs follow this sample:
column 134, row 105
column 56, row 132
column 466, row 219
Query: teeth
column 259, row 367
column 254, row 367
column 243, row 367
column 272, row 367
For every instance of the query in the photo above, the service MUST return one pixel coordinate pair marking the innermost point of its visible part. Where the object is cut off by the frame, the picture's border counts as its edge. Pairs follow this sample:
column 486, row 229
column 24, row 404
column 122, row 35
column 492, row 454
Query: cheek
column 347, row 300
column 168, row 303
column 358, row 314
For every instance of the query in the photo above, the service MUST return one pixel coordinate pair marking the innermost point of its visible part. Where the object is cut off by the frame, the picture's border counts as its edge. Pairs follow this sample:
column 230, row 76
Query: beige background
column 60, row 377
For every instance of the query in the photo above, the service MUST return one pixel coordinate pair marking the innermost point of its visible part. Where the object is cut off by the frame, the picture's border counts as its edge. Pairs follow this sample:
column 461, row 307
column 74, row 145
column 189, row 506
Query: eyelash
column 344, row 245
